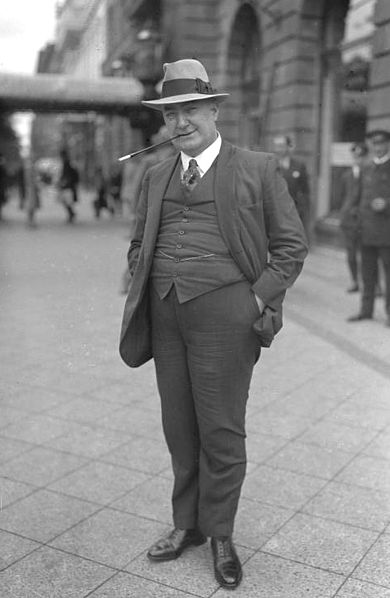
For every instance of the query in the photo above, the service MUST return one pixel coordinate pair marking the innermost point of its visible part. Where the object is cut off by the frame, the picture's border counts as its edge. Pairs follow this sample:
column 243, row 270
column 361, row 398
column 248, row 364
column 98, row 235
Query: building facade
column 317, row 70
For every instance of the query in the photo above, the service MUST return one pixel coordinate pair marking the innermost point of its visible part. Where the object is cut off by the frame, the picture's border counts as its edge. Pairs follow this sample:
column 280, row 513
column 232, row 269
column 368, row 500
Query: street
column 85, row 476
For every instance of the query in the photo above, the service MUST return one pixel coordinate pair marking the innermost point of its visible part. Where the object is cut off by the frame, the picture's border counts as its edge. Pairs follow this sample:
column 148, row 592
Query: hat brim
column 179, row 99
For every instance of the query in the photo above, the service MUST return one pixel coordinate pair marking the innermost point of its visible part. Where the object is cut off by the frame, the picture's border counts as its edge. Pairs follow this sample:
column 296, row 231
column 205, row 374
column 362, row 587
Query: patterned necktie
column 191, row 176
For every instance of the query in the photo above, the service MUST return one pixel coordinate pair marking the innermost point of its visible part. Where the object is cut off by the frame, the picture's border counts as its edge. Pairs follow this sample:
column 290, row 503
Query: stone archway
column 241, row 120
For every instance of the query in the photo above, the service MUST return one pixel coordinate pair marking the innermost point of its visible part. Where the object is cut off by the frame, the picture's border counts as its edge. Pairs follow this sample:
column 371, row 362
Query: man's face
column 380, row 145
column 281, row 147
column 198, row 118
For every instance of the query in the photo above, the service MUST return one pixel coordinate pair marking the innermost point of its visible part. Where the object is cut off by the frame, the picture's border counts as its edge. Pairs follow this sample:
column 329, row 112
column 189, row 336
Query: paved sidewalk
column 84, row 473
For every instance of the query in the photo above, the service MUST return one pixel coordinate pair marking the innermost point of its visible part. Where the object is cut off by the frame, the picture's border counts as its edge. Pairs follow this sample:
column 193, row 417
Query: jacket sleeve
column 136, row 242
column 287, row 244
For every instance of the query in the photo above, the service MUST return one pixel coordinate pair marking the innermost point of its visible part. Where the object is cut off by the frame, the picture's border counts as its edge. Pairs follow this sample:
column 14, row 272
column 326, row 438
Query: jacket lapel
column 225, row 199
column 158, row 186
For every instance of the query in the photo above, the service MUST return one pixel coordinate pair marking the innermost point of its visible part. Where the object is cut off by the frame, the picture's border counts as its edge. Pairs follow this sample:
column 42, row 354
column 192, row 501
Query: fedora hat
column 184, row 81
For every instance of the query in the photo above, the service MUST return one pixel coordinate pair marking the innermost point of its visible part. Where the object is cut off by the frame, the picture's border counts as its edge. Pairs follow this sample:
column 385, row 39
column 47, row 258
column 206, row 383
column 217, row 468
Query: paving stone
column 380, row 446
column 127, row 393
column 353, row 413
column 36, row 429
column 280, row 487
column 83, row 410
column 267, row 576
column 311, row 460
column 333, row 435
column 11, row 490
column 357, row 589
column 9, row 415
column 49, row 573
column 364, row 507
column 110, row 537
column 10, row 448
column 326, row 544
column 134, row 420
column 256, row 522
column 40, row 466
column 303, row 401
column 42, row 515
column 192, row 572
column 151, row 499
column 260, row 447
column 13, row 547
column 367, row 471
column 99, row 482
column 87, row 441
column 147, row 455
column 125, row 585
column 286, row 425
column 35, row 400
column 375, row 567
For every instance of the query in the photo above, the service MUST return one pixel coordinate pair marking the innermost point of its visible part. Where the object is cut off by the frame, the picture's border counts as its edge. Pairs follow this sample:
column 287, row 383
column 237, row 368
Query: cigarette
column 151, row 147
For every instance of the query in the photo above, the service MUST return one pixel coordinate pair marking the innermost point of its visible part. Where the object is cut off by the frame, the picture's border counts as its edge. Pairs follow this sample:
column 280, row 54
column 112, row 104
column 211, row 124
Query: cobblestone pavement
column 85, row 475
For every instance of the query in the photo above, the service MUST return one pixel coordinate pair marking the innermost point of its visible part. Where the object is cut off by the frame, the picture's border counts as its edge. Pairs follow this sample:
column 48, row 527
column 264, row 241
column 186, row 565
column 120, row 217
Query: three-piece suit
column 197, row 260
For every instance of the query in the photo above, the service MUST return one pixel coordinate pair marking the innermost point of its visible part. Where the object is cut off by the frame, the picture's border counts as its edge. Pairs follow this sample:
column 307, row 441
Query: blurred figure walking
column 295, row 174
column 101, row 201
column 67, row 185
column 3, row 184
column 350, row 213
column 375, row 218
column 115, row 188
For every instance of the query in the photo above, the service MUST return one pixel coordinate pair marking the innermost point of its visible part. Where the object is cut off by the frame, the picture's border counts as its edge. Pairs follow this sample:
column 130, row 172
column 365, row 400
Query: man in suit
column 375, row 223
column 217, row 242
column 295, row 174
column 350, row 213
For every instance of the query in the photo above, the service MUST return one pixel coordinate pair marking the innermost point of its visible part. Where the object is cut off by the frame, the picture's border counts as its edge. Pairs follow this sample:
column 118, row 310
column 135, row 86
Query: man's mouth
column 186, row 134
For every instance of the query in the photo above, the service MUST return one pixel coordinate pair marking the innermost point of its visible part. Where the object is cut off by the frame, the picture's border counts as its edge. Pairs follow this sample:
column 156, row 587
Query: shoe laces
column 223, row 549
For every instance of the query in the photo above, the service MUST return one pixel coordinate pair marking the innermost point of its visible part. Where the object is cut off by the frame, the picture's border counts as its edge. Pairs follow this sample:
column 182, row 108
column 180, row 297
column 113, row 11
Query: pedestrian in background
column 350, row 221
column 115, row 188
column 295, row 174
column 3, row 184
column 375, row 223
column 101, row 201
column 68, row 185
column 216, row 244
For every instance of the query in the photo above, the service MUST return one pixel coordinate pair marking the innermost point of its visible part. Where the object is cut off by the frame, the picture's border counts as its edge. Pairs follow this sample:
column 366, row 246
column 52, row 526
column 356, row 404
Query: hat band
column 178, row 87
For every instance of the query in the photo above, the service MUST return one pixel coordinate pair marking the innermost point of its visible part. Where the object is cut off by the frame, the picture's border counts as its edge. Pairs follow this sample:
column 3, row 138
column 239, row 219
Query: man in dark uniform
column 350, row 212
column 375, row 219
column 295, row 174
column 216, row 244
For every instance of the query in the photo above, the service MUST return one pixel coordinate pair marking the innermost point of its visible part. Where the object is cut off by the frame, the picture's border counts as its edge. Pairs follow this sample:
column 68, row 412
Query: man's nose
column 181, row 120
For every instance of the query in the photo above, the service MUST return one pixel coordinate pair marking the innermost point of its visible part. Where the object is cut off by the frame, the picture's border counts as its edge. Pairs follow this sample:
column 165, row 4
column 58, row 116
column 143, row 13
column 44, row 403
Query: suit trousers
column 204, row 351
column 370, row 258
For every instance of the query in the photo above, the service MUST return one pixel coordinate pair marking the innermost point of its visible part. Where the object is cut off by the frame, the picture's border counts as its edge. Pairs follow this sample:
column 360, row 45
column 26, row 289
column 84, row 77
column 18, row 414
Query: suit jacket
column 375, row 225
column 258, row 223
column 298, row 185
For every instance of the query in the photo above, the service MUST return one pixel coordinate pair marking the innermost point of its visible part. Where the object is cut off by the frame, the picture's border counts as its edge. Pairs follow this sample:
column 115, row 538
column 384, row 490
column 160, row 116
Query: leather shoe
column 359, row 317
column 227, row 566
column 171, row 546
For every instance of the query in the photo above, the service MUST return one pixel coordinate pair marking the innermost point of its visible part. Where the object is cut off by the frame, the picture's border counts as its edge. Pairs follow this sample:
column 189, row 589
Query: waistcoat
column 375, row 225
column 190, row 253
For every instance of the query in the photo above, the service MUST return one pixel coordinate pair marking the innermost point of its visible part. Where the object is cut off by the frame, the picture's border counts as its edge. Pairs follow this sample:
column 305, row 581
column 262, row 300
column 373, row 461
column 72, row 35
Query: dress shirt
column 382, row 160
column 356, row 171
column 285, row 162
column 205, row 158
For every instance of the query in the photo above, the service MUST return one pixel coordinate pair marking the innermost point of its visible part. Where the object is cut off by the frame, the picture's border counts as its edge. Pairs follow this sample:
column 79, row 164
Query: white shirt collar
column 205, row 158
column 382, row 160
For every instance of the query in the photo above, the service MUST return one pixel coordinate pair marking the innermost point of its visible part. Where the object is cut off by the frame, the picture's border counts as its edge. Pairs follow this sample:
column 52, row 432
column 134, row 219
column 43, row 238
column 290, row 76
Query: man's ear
column 215, row 110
